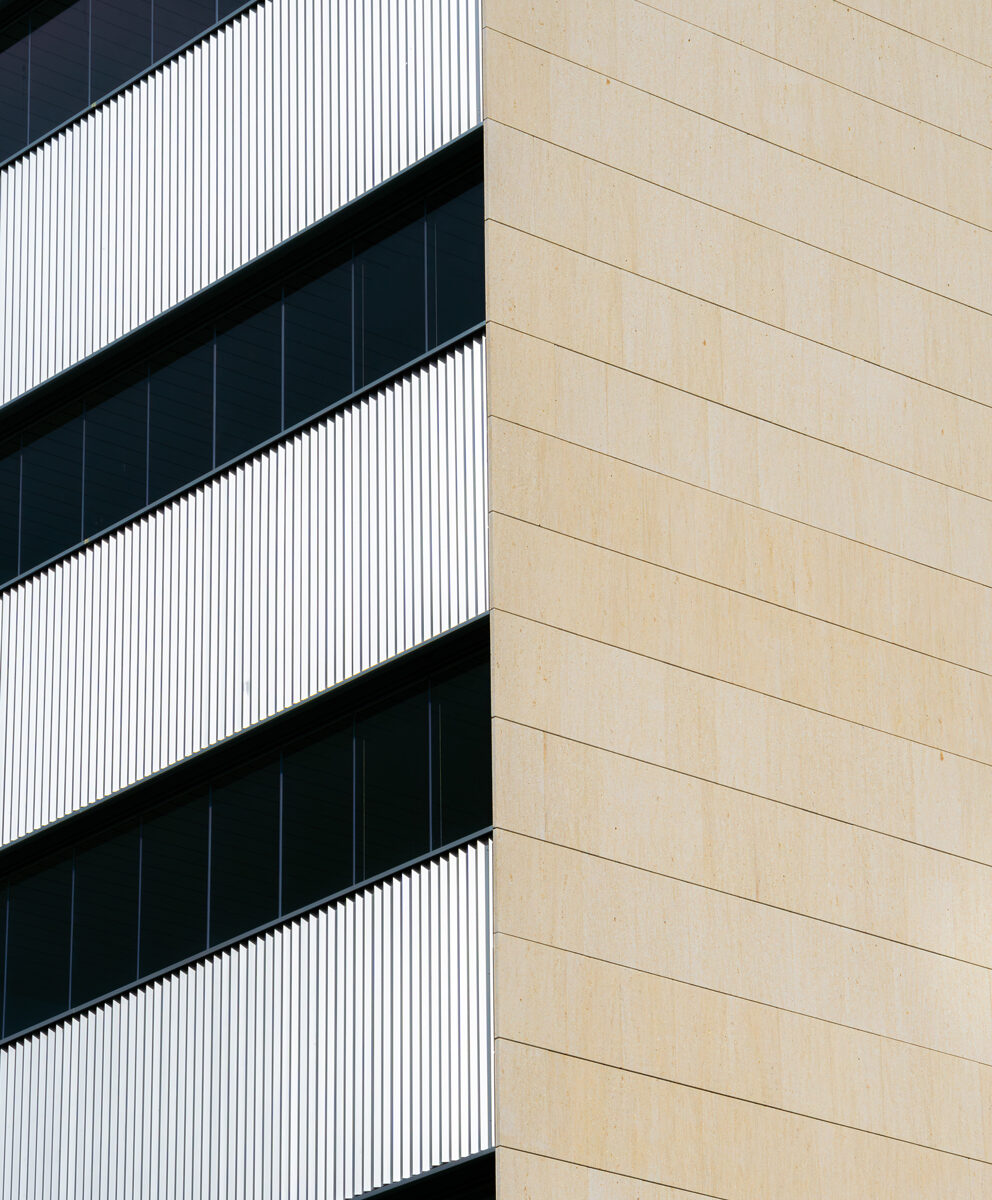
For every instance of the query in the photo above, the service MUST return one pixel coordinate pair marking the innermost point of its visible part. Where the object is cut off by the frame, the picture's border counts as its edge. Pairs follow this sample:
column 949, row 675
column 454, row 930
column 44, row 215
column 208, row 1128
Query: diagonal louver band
column 346, row 1050
column 320, row 557
column 285, row 113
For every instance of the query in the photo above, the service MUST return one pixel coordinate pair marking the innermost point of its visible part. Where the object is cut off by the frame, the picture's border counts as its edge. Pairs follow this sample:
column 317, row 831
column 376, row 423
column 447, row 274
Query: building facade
column 492, row 510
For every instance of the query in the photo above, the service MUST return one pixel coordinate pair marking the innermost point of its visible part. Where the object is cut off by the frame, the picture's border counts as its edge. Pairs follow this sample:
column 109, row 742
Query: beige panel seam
column 746, row 316
column 815, row 812
column 886, row 733
column 738, row 997
column 784, row 62
column 913, row 33
column 658, row 565
column 692, row 976
column 763, row 420
column 671, row 1190
column 694, row 1087
column 737, row 216
column 747, row 132
column 841, row 1064
column 763, row 904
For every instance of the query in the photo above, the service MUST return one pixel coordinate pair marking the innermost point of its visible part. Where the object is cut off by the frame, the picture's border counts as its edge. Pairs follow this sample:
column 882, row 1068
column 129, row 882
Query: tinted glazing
column 52, row 491
column 318, row 343
column 249, row 382
column 68, row 56
column 462, row 717
column 179, row 21
column 3, row 949
column 173, row 919
column 115, row 477
column 226, row 389
column 122, row 43
column 181, row 420
column 59, row 64
column 37, row 977
column 317, row 821
column 392, row 746
column 141, row 891
column 455, row 265
column 390, row 275
column 105, row 916
column 13, row 88
column 244, row 851
column 10, row 491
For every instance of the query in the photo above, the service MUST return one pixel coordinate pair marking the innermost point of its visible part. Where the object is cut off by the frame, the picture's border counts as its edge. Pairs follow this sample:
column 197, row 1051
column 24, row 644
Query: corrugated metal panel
column 337, row 549
column 350, row 1049
column 274, row 121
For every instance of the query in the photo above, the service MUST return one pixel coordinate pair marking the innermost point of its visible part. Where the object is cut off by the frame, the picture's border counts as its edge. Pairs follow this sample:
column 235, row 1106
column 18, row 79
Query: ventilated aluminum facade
column 348, row 1049
column 275, row 120
column 340, row 547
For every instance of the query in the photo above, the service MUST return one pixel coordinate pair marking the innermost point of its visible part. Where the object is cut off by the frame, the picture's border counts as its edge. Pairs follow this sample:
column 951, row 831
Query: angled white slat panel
column 325, row 555
column 346, row 1050
column 289, row 111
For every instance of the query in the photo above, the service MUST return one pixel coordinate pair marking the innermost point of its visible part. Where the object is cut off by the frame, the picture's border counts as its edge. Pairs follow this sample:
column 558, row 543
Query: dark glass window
column 10, row 491
column 318, row 343
column 180, row 435
column 392, row 746
column 206, row 868
column 173, row 923
column 105, row 916
column 116, row 476
column 461, row 712
column 317, row 819
column 249, row 382
column 244, row 851
column 3, row 950
column 38, row 946
column 61, row 57
column 456, row 278
column 179, row 21
column 232, row 385
column 59, row 64
column 52, row 489
column 13, row 88
column 122, row 43
column 393, row 298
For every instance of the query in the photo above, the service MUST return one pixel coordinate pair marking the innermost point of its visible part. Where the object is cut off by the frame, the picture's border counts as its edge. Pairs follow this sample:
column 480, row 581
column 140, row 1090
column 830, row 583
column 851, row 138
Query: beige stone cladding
column 739, row 292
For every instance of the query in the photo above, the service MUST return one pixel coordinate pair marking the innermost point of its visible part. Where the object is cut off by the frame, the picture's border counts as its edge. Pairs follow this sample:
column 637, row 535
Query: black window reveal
column 121, row 45
column 173, row 919
column 51, row 488
column 179, row 21
column 105, row 916
column 392, row 297
column 455, row 252
column 64, row 55
column 115, row 480
column 13, row 88
column 38, row 946
column 317, row 819
column 10, row 499
column 249, row 381
column 59, row 64
column 3, row 950
column 319, row 351
column 393, row 751
column 181, row 419
column 250, row 845
column 244, row 851
column 461, row 714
